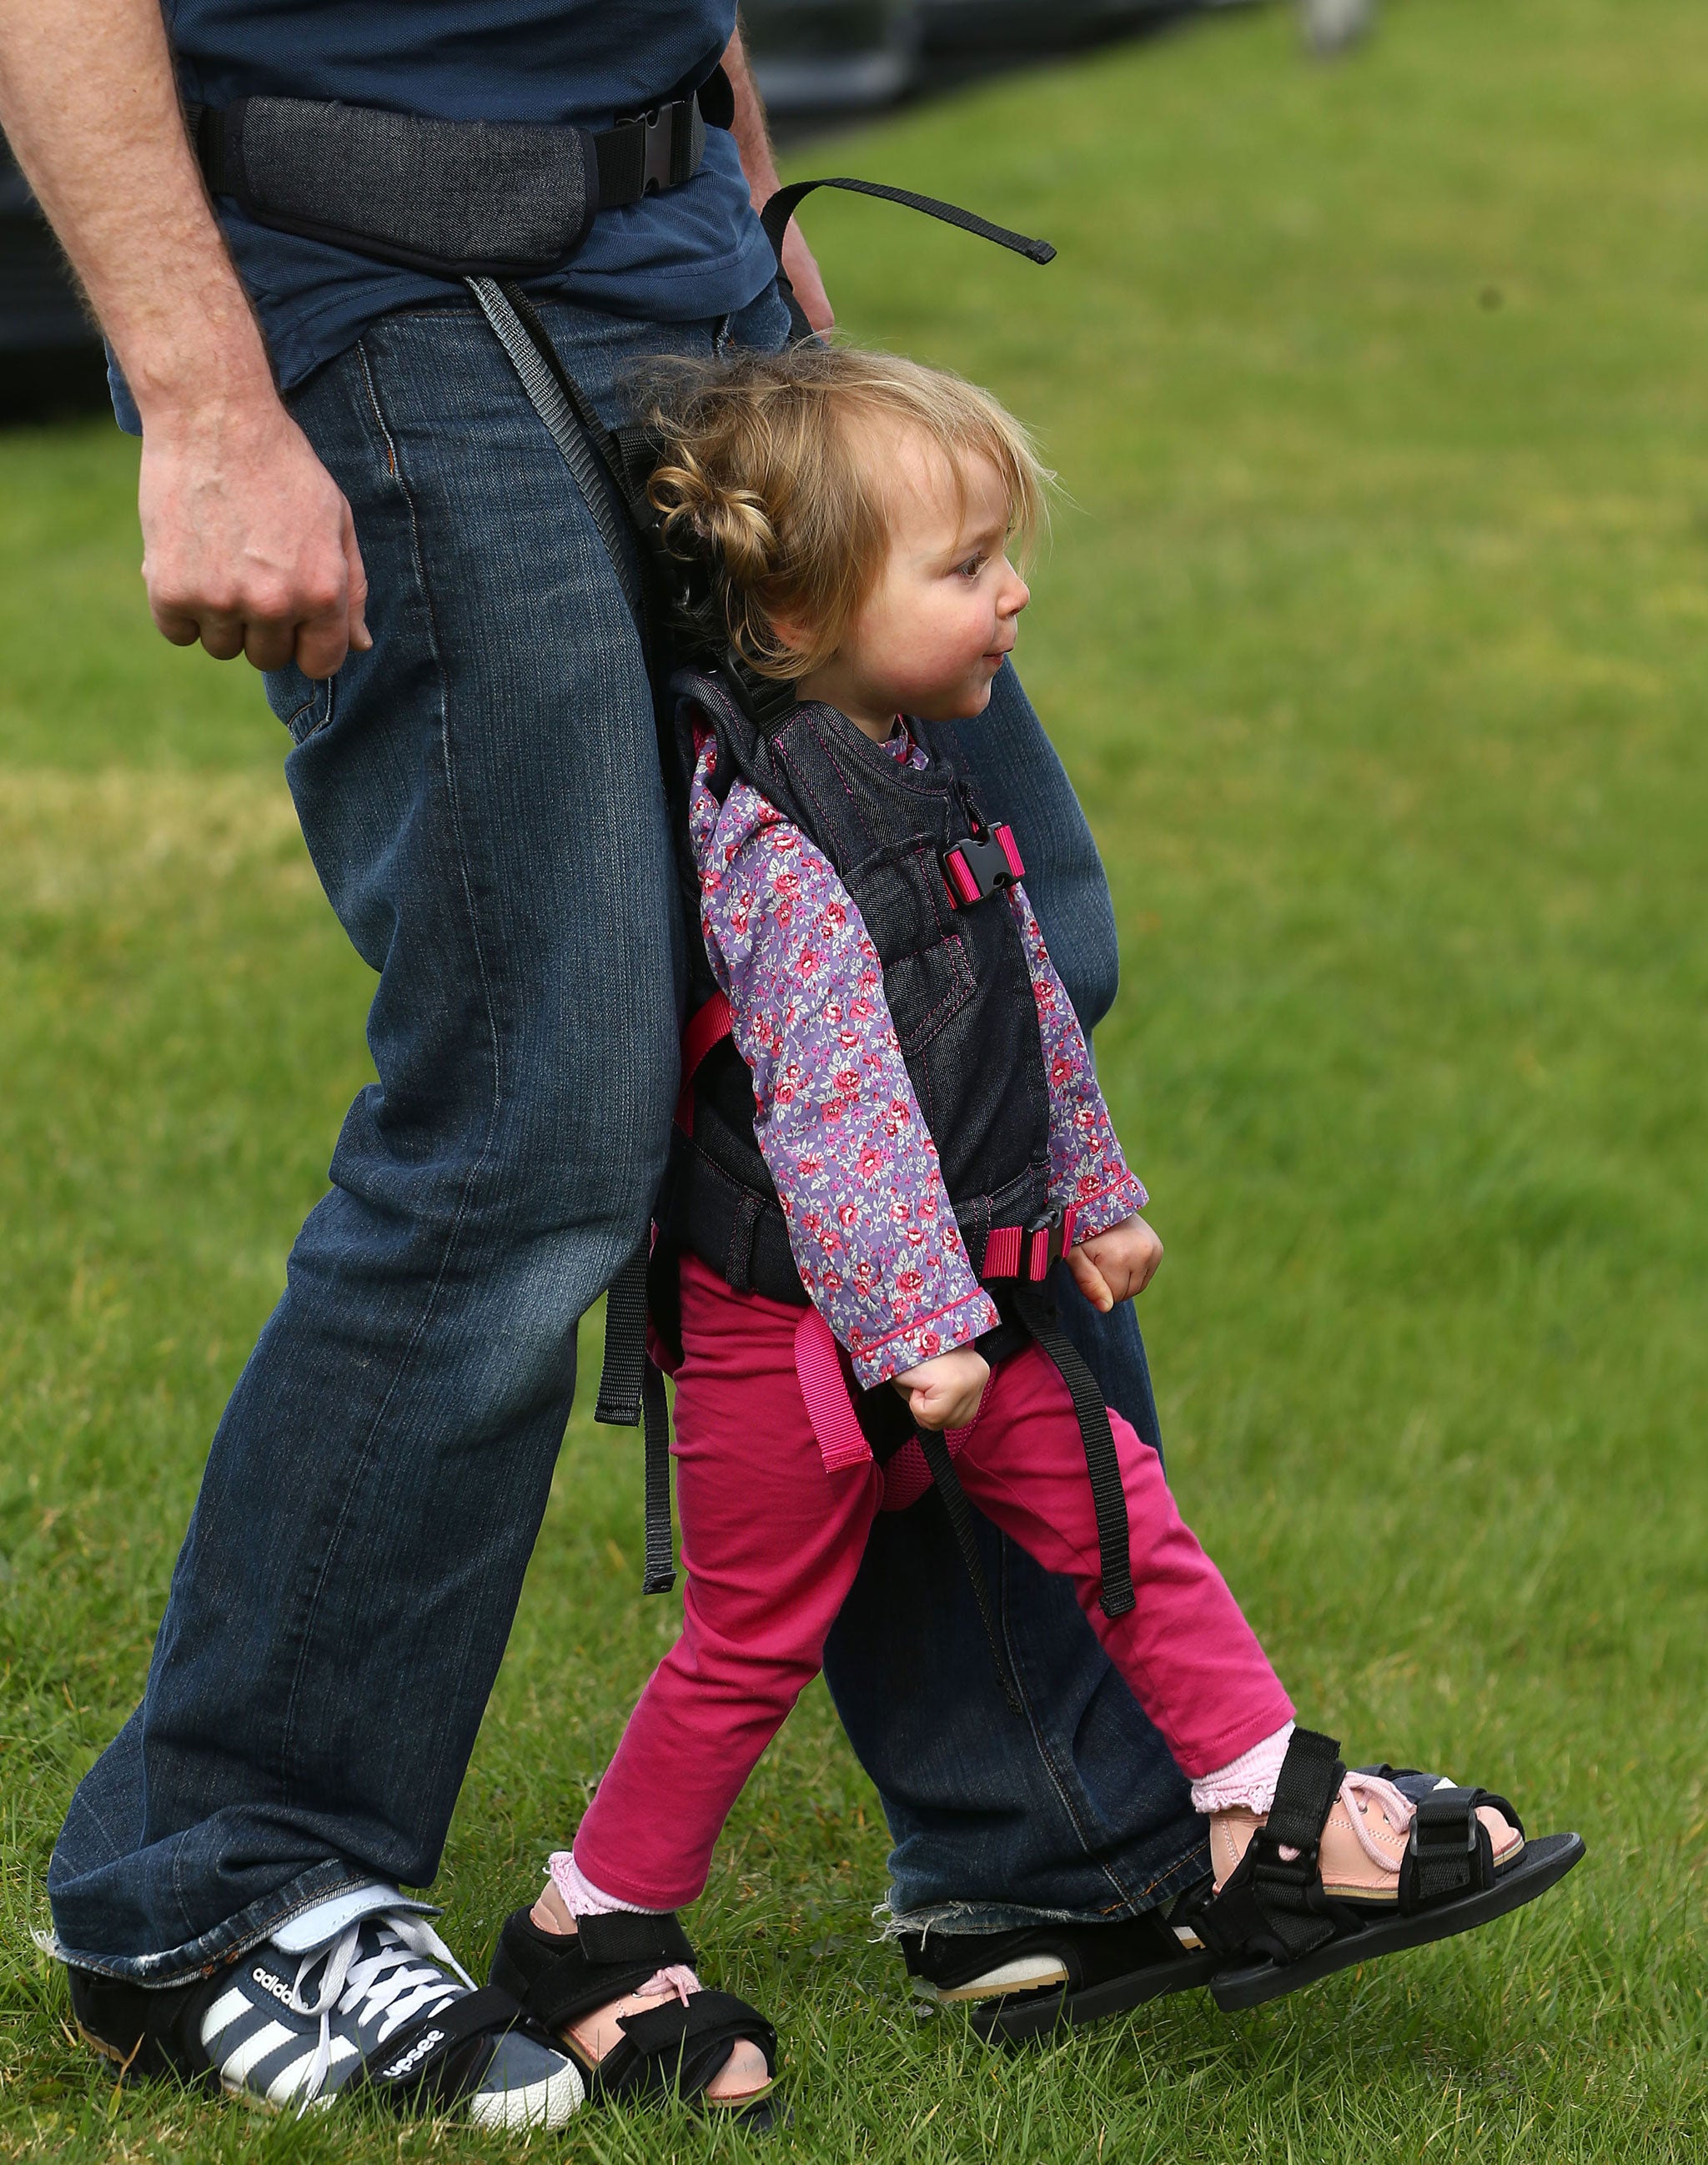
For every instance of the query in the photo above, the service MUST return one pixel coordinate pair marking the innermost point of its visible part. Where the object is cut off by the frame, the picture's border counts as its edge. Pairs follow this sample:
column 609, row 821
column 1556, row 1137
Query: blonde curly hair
column 767, row 473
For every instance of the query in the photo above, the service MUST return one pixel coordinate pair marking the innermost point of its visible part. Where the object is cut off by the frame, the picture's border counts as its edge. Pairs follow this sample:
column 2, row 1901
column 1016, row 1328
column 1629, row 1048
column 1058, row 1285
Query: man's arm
column 753, row 141
column 248, row 544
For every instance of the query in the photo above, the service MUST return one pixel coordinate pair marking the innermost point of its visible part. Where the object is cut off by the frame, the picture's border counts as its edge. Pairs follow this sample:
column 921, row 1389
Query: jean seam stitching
column 475, row 1171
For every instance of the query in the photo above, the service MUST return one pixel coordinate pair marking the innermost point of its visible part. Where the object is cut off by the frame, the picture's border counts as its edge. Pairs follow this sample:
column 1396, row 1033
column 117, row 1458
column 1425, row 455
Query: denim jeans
column 481, row 797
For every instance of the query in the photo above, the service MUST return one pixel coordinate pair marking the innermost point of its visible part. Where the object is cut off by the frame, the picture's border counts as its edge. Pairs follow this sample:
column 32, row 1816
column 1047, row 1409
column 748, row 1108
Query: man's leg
column 480, row 794
column 1079, row 1811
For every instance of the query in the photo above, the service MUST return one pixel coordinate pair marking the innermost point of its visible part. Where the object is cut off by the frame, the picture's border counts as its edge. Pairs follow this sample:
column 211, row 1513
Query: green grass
column 1377, row 639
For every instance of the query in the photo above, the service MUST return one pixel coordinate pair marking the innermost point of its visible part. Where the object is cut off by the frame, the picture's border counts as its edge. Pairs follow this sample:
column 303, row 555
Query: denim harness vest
column 955, row 976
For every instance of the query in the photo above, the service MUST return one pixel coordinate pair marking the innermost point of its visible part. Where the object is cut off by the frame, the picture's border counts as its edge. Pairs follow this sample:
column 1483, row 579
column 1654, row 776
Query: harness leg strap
column 631, row 1393
column 1037, row 1311
column 960, row 1511
column 658, row 1574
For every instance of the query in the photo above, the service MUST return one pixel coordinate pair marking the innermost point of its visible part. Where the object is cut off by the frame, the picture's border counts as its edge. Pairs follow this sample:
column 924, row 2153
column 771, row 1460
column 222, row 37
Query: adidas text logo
column 417, row 2051
column 269, row 1983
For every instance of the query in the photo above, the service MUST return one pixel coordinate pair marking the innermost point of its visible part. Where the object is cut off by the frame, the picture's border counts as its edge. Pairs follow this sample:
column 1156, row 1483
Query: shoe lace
column 1360, row 1791
column 403, row 1976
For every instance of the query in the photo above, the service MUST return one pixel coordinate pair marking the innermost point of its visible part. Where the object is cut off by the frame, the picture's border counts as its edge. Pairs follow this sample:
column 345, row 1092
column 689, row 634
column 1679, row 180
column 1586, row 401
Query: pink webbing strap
column 963, row 888
column 707, row 1026
column 1010, row 850
column 1009, row 1251
column 818, row 1367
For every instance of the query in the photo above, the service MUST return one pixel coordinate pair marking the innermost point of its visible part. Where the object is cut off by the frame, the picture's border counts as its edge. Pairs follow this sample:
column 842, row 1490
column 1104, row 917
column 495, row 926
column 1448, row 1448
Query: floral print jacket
column 869, row 1220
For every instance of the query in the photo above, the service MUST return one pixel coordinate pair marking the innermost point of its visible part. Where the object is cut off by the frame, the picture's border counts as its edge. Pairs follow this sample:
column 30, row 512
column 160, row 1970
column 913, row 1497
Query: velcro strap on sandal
column 1305, row 1789
column 704, row 2020
column 415, row 2053
column 1273, row 1904
column 632, row 1936
column 1448, row 1853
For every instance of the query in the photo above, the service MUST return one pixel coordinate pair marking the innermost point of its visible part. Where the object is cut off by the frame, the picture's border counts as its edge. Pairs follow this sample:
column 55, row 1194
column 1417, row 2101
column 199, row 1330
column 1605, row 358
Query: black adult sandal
column 1023, row 1984
column 382, row 2010
column 1275, row 1926
column 673, row 2050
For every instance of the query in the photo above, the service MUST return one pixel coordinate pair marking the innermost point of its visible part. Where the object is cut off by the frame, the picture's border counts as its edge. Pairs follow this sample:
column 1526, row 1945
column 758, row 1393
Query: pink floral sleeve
column 869, row 1221
column 1087, row 1168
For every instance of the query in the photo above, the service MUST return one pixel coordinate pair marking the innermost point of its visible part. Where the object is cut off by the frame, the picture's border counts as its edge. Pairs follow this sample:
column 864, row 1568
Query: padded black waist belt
column 459, row 198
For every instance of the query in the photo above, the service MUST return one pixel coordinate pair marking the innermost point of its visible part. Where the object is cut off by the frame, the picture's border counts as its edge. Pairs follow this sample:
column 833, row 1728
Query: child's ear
column 791, row 632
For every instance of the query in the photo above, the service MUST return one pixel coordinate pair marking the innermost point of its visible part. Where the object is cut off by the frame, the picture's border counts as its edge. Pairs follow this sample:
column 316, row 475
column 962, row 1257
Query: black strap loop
column 621, row 1379
column 1448, row 1853
column 631, row 1394
column 781, row 207
column 658, row 1572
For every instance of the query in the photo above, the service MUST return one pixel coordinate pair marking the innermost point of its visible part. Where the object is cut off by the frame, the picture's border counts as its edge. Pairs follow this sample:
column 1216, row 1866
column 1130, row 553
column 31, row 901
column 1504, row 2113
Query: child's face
column 933, row 632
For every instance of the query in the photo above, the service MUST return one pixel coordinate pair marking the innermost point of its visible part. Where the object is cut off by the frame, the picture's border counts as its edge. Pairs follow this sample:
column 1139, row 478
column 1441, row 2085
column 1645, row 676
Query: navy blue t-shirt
column 691, row 251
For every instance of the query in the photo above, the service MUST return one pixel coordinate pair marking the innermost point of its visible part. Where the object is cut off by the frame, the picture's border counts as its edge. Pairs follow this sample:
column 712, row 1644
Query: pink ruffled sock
column 1248, row 1781
column 581, row 1899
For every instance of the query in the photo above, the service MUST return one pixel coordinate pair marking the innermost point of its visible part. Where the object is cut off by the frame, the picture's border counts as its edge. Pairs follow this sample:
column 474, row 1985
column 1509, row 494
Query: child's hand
column 945, row 1392
column 1115, row 1265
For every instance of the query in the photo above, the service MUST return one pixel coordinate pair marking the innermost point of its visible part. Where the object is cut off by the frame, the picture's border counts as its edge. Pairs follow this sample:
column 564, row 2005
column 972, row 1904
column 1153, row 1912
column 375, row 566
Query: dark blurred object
column 50, row 357
column 1331, row 26
column 831, row 56
column 1004, row 28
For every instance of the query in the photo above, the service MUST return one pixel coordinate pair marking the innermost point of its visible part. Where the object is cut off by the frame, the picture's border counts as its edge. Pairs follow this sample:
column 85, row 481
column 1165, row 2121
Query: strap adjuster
column 1028, row 1252
column 977, row 864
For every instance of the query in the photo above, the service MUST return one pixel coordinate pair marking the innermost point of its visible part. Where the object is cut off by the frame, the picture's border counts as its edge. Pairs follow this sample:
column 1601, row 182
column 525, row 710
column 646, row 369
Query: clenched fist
column 945, row 1392
column 1115, row 1265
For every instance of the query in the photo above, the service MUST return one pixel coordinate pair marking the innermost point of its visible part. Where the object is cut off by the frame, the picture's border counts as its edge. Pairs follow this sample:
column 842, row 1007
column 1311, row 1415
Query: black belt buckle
column 659, row 125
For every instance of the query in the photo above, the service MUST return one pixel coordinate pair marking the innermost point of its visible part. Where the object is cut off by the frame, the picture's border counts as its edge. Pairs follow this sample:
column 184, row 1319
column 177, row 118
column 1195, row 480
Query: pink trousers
column 771, row 1542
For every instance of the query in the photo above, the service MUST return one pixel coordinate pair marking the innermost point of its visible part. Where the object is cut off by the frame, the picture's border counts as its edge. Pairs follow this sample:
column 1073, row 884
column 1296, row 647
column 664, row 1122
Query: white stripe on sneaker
column 285, row 2085
column 223, row 2014
column 268, row 2038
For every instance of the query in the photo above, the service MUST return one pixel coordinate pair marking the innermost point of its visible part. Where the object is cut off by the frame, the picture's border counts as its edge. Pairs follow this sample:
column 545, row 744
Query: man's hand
column 248, row 544
column 945, row 1392
column 1116, row 1264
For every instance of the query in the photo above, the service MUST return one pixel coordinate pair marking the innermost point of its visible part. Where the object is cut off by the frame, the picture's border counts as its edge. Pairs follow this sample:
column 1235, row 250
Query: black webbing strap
column 1273, row 1904
column 1036, row 1310
column 781, row 207
column 621, row 1377
column 631, row 1393
column 585, row 444
column 658, row 1571
column 942, row 1468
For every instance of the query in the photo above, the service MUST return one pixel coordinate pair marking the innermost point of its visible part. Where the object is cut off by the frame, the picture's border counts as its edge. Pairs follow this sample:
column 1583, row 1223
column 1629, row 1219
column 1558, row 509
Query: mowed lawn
column 1375, row 634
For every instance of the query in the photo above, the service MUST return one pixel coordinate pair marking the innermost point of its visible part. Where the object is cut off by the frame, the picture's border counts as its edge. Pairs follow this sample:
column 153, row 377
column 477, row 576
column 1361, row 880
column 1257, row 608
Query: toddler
column 890, row 1133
